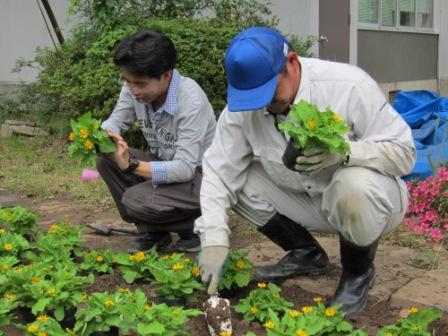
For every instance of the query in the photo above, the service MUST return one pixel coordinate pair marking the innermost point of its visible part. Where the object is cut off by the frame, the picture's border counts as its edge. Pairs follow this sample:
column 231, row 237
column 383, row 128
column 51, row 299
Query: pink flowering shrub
column 428, row 206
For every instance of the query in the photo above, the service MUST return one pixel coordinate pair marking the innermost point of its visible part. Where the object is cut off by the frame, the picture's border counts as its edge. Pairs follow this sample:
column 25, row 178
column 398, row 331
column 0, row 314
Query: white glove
column 211, row 262
column 314, row 160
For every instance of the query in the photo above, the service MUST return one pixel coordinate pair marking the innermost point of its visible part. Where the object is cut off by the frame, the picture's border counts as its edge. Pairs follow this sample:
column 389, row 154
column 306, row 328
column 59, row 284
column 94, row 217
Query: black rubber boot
column 147, row 241
column 305, row 256
column 358, row 274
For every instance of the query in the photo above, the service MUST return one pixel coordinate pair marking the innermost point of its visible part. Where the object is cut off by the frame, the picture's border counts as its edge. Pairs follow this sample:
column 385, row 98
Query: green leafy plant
column 19, row 220
column 100, row 261
column 7, row 305
column 164, row 320
column 135, row 266
column 416, row 324
column 12, row 244
column 44, row 326
column 314, row 129
column 103, row 310
column 257, row 305
column 175, row 276
column 238, row 271
column 88, row 139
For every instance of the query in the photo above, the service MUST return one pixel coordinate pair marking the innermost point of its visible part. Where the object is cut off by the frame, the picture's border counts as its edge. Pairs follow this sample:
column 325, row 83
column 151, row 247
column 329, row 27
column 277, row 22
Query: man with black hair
column 359, row 197
column 157, row 190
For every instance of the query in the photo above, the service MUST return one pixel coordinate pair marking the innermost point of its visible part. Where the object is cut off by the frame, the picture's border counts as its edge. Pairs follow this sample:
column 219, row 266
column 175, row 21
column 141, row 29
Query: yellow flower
column 84, row 133
column 317, row 299
column 69, row 331
column 36, row 279
column 88, row 144
column 269, row 325
column 147, row 307
column 173, row 255
column 109, row 303
column 32, row 328
column 330, row 312
column 7, row 247
column 131, row 257
column 166, row 256
column 124, row 290
column 177, row 267
column 52, row 291
column 312, row 123
column 307, row 309
column 5, row 267
column 390, row 334
column 336, row 117
column 187, row 260
column 53, row 228
column 261, row 285
column 42, row 334
column 225, row 333
column 18, row 269
column 253, row 310
column 239, row 264
column 301, row 332
column 42, row 318
column 99, row 259
column 139, row 256
column 196, row 271
column 413, row 310
column 71, row 136
column 10, row 297
column 176, row 311
column 2, row 231
column 294, row 313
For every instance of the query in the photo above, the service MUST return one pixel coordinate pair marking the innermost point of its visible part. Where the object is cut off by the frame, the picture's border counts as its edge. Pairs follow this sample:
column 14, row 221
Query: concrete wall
column 443, row 48
column 300, row 18
column 398, row 56
column 22, row 30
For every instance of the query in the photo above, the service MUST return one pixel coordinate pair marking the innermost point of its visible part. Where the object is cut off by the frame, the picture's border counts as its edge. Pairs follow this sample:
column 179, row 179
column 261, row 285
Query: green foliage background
column 80, row 76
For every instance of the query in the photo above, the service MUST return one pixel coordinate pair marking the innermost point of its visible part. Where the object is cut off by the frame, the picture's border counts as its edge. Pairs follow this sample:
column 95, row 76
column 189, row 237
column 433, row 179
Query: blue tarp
column 427, row 115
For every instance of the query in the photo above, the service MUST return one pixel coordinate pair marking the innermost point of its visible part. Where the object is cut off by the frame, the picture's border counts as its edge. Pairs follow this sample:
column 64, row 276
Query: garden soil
column 394, row 269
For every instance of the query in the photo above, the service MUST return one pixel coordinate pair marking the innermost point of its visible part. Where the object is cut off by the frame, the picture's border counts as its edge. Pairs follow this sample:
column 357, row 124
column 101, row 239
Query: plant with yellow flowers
column 44, row 325
column 19, row 220
column 135, row 266
column 7, row 305
column 175, row 277
column 237, row 273
column 416, row 324
column 88, row 139
column 12, row 244
column 311, row 129
column 100, row 261
column 265, row 297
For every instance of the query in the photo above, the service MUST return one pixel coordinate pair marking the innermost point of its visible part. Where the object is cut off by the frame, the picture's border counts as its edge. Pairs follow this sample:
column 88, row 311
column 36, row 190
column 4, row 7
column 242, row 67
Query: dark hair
column 146, row 52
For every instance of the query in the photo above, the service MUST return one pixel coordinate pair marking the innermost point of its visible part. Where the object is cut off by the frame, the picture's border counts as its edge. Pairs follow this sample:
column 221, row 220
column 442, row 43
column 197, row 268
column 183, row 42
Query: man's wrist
column 133, row 163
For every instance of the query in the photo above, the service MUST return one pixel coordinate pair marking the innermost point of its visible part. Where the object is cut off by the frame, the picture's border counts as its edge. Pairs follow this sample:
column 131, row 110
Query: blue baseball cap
column 253, row 62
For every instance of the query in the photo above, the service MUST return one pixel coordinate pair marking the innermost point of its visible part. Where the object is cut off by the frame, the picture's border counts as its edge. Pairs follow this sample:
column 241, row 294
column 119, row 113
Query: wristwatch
column 133, row 164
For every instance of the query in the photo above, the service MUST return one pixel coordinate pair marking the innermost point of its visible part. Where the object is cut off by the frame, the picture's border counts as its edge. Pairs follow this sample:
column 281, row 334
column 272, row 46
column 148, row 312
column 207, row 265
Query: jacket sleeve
column 225, row 167
column 382, row 140
column 123, row 115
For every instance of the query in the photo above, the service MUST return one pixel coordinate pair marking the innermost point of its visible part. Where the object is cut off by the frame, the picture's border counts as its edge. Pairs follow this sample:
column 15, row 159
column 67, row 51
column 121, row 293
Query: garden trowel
column 108, row 229
column 218, row 316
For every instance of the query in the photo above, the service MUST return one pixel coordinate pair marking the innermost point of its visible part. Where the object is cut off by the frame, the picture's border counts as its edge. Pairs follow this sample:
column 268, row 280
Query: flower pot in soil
column 291, row 153
column 113, row 331
column 26, row 314
column 178, row 302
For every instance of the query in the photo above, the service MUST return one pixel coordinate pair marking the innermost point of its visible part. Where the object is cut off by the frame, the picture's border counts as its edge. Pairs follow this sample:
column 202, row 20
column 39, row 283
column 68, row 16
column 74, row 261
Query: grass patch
column 40, row 167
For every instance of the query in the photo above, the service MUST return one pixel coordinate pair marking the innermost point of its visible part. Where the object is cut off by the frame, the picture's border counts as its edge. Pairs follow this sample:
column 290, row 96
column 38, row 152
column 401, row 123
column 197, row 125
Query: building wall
column 443, row 48
column 22, row 30
column 398, row 56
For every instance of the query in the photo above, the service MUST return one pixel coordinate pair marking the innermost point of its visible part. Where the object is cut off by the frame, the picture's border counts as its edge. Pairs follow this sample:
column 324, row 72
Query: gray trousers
column 359, row 203
column 163, row 208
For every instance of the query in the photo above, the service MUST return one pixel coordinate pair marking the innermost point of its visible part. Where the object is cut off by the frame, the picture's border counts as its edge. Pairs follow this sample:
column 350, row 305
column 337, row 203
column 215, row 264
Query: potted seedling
column 175, row 279
column 312, row 129
column 100, row 261
column 88, row 139
column 237, row 274
column 260, row 300
column 135, row 266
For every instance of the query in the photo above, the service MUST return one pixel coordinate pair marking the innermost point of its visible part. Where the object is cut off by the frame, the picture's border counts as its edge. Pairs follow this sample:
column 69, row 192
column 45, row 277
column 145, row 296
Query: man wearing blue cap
column 360, row 197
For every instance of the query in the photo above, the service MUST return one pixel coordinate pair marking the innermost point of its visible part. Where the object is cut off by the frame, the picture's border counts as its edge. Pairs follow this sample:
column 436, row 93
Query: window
column 410, row 14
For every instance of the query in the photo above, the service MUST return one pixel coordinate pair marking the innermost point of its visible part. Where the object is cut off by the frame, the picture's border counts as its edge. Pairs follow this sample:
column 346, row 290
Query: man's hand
column 211, row 262
column 314, row 160
column 121, row 154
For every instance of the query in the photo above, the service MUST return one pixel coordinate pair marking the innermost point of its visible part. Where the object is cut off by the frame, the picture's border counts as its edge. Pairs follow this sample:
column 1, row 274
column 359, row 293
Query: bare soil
column 374, row 316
